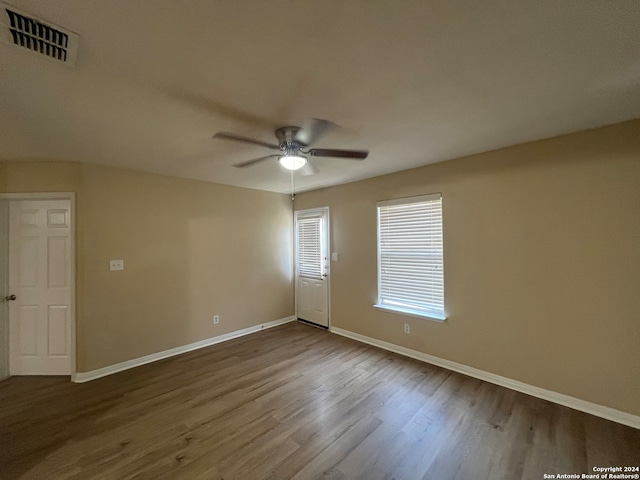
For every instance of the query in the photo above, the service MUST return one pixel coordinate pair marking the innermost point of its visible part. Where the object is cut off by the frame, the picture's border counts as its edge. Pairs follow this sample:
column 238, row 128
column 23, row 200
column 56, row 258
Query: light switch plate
column 335, row 256
column 116, row 265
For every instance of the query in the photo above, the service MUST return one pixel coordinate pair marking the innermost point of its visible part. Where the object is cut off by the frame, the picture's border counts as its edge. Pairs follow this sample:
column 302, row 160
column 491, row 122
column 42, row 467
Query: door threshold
column 307, row 322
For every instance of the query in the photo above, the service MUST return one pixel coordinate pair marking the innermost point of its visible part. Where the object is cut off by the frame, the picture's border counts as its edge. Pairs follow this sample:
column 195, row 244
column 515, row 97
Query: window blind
column 410, row 261
column 309, row 241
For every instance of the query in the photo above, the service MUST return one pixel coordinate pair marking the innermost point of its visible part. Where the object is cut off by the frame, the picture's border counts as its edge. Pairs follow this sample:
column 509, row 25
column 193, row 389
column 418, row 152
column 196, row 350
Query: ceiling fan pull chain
column 293, row 191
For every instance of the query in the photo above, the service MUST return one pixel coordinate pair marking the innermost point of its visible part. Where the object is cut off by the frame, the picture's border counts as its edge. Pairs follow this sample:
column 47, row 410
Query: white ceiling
column 415, row 82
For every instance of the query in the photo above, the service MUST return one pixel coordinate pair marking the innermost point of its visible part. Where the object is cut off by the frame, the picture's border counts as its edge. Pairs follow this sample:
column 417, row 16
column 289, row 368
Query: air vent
column 38, row 36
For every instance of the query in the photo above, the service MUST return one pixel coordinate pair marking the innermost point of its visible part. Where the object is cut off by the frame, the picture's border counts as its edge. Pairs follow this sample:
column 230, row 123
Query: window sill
column 410, row 313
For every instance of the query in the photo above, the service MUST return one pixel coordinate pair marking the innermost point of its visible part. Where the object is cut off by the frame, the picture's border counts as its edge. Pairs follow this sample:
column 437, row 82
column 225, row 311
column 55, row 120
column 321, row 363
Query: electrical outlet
column 116, row 265
column 407, row 328
column 216, row 319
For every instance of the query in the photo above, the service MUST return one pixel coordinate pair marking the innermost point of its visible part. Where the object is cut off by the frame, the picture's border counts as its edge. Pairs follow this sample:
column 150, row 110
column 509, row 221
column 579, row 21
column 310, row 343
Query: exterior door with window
column 312, row 265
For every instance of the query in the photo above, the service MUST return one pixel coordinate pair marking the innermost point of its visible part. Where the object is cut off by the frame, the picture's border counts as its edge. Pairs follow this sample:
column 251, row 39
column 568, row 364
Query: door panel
column 319, row 297
column 312, row 293
column 58, row 218
column 58, row 335
column 304, row 299
column 28, row 276
column 40, row 277
column 58, row 273
column 28, row 330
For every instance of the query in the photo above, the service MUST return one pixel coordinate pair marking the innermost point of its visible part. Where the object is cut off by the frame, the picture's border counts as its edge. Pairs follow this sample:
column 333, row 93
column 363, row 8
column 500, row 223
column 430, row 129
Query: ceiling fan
column 293, row 143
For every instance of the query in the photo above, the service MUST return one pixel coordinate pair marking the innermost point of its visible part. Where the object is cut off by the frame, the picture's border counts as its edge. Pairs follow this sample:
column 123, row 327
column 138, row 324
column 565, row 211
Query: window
column 309, row 241
column 410, row 267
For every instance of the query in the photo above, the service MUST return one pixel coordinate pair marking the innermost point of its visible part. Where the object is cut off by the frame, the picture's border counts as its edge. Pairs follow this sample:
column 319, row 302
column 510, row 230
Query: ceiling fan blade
column 248, row 163
column 240, row 138
column 219, row 109
column 308, row 169
column 312, row 130
column 329, row 152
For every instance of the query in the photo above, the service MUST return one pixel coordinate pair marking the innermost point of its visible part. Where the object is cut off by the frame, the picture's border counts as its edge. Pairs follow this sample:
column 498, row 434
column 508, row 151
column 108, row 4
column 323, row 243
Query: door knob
column 10, row 298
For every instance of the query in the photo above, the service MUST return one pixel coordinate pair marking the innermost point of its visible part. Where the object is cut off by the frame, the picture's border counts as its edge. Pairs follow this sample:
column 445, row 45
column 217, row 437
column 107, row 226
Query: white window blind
column 410, row 266
column 309, row 241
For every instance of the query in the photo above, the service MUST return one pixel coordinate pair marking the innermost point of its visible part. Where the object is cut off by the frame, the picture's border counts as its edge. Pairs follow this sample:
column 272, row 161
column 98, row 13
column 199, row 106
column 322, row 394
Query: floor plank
column 295, row 402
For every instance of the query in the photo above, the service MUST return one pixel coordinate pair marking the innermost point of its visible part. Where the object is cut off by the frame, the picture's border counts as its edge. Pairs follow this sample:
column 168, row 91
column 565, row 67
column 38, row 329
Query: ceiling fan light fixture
column 292, row 162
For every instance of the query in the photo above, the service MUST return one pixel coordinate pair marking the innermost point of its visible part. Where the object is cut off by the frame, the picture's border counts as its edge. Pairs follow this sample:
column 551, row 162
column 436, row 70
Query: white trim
column 402, row 201
column 82, row 377
column 71, row 196
column 38, row 196
column 410, row 313
column 555, row 397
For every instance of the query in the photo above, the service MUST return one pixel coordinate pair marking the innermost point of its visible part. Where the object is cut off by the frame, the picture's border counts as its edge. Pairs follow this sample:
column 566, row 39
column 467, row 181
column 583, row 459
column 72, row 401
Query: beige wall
column 27, row 177
column 191, row 249
column 542, row 262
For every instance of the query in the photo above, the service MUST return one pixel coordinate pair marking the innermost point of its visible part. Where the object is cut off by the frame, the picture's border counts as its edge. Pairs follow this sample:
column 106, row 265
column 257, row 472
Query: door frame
column 71, row 196
column 324, row 211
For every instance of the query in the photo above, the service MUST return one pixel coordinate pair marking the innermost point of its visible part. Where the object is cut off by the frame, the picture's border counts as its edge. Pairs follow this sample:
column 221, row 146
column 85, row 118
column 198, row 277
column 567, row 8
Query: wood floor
column 295, row 402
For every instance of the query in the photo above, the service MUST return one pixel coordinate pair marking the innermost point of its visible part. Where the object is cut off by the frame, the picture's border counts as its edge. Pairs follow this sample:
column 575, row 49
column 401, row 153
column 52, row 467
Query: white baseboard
column 81, row 377
column 559, row 398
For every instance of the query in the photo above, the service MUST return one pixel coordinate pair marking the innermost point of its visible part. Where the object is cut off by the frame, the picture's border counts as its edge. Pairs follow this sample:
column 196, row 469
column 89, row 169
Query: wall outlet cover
column 116, row 265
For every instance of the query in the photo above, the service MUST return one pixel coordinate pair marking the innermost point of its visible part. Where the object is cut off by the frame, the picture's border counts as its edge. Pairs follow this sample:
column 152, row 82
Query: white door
column 312, row 267
column 4, row 288
column 40, row 278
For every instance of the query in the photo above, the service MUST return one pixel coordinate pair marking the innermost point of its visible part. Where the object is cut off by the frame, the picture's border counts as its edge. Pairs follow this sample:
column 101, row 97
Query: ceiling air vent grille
column 38, row 36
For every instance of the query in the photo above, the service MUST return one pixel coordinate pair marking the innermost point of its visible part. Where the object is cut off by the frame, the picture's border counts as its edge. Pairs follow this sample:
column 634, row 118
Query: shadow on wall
column 190, row 250
column 240, row 265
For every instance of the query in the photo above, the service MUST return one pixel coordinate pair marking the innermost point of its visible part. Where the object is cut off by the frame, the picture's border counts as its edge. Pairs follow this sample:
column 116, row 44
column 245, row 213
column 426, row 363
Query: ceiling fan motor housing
column 286, row 137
